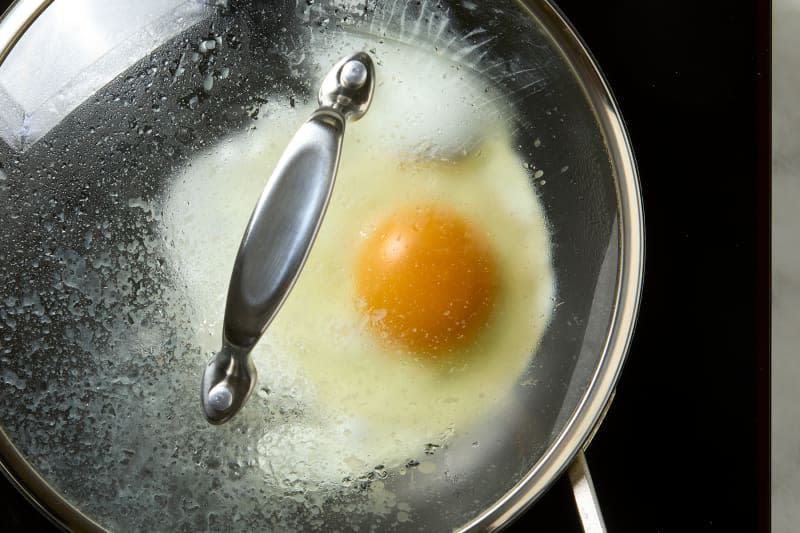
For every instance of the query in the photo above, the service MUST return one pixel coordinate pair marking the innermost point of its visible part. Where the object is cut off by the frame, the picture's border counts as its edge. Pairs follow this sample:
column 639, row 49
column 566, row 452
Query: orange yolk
column 426, row 278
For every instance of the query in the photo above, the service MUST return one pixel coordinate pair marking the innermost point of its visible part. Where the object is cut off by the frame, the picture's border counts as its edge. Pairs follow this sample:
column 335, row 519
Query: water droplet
column 184, row 135
column 430, row 448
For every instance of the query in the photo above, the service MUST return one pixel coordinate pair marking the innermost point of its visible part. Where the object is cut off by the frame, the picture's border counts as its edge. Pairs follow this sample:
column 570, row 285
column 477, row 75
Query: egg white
column 362, row 402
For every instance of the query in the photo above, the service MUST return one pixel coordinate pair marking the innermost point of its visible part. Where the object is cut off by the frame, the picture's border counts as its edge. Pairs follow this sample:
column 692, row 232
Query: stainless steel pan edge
column 589, row 413
column 39, row 493
column 16, row 20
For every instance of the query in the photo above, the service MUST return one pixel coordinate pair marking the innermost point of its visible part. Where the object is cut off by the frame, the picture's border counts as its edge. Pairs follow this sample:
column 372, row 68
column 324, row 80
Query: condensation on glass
column 99, row 352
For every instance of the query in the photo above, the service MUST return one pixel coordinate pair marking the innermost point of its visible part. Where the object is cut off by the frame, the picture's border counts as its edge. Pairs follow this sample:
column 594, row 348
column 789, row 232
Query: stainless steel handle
column 274, row 248
column 283, row 227
column 585, row 496
column 280, row 233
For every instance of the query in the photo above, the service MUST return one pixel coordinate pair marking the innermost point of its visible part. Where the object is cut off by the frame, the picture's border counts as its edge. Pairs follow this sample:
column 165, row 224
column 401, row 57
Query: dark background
column 685, row 446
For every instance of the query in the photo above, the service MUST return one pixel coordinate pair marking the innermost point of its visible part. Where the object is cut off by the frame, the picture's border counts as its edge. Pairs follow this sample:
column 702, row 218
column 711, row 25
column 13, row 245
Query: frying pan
column 104, row 103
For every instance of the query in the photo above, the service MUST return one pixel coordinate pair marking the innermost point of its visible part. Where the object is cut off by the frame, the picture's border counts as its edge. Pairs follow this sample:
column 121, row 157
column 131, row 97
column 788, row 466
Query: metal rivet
column 220, row 397
column 353, row 74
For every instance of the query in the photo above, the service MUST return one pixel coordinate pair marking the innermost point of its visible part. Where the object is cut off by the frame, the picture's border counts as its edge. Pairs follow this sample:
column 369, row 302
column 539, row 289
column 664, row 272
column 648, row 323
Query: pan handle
column 585, row 496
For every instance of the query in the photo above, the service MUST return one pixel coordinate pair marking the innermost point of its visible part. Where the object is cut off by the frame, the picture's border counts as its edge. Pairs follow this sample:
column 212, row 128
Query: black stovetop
column 685, row 444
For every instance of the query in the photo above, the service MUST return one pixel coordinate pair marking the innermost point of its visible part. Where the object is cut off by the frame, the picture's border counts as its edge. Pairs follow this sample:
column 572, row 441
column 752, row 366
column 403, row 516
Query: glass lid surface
column 428, row 385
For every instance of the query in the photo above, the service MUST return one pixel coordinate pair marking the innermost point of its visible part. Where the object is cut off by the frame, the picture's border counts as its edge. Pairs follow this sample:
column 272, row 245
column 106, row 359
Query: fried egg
column 424, row 296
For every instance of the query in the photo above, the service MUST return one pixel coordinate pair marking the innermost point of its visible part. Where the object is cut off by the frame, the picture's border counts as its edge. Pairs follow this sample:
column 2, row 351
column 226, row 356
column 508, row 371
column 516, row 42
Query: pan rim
column 585, row 419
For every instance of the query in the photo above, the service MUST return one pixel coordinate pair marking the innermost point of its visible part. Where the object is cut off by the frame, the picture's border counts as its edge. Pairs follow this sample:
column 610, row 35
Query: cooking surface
column 679, row 448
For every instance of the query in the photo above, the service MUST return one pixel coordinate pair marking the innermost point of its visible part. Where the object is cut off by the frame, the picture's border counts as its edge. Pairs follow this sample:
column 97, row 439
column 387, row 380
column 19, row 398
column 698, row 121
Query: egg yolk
column 426, row 278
